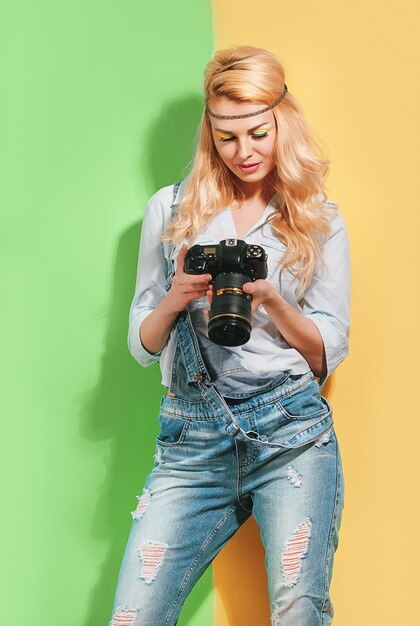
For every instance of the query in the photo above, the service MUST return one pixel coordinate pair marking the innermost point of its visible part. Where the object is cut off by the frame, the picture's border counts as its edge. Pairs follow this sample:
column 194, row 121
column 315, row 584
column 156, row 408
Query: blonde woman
column 244, row 429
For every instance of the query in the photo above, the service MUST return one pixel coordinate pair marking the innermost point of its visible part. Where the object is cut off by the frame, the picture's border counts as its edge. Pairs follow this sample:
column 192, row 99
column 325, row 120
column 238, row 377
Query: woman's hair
column 301, row 220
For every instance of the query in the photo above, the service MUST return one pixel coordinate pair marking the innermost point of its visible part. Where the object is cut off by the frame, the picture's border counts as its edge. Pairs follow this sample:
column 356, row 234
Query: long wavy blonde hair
column 302, row 218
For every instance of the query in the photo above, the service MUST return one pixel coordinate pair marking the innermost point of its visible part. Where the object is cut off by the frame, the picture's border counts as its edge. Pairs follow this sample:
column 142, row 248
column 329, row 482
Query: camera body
column 231, row 262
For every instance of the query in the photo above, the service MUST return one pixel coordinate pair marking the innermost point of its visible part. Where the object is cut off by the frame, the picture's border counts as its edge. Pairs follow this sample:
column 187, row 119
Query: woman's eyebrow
column 229, row 132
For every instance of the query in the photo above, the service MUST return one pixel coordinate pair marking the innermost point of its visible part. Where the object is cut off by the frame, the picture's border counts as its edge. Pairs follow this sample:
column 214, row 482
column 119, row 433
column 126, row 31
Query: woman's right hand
column 186, row 287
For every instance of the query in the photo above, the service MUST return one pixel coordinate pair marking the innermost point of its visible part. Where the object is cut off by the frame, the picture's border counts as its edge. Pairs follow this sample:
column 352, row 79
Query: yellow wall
column 354, row 68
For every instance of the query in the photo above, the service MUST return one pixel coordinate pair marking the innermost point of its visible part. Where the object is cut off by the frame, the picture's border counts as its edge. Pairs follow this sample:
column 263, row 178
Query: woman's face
column 243, row 141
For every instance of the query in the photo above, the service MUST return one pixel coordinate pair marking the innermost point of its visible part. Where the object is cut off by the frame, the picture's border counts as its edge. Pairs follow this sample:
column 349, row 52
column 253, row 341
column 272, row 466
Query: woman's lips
column 249, row 168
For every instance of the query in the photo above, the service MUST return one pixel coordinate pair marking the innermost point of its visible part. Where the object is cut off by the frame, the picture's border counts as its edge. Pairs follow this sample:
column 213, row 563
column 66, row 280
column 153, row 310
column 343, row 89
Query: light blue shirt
column 326, row 301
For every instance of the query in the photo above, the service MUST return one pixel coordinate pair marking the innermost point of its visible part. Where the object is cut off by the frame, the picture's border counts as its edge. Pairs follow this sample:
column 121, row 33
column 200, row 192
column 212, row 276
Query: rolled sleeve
column 135, row 345
column 150, row 283
column 327, row 301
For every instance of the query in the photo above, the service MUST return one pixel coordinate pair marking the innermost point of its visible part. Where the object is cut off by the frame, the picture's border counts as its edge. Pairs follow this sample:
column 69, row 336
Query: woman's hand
column 261, row 291
column 186, row 287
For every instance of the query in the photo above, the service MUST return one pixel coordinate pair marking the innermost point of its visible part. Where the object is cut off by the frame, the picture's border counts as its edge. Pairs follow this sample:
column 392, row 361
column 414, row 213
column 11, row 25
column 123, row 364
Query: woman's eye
column 254, row 135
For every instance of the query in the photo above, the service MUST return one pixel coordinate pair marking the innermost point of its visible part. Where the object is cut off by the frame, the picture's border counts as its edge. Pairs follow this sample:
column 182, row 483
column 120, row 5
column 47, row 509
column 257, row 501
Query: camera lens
column 230, row 311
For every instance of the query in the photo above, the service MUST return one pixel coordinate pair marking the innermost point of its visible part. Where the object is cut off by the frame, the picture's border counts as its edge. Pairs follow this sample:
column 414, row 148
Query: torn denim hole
column 151, row 555
column 325, row 438
column 294, row 551
column 294, row 477
column 143, row 503
column 275, row 617
column 123, row 617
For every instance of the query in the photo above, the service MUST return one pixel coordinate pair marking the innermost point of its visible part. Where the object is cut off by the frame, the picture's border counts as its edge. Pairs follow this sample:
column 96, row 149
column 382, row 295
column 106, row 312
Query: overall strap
column 173, row 205
column 170, row 270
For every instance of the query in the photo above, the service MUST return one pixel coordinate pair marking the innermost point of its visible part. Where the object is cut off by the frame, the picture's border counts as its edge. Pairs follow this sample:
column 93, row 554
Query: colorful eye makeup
column 257, row 132
column 262, row 131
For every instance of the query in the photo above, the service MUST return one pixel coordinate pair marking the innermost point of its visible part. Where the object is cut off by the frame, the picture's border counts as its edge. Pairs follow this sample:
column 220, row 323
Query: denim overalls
column 273, row 454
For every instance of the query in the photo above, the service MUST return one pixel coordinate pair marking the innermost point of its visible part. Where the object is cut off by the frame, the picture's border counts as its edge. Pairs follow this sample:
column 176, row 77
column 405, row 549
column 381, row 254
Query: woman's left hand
column 261, row 291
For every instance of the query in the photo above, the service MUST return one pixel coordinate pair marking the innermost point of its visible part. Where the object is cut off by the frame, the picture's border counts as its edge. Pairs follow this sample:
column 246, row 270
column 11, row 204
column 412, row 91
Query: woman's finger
column 196, row 287
column 192, row 281
column 197, row 279
column 197, row 294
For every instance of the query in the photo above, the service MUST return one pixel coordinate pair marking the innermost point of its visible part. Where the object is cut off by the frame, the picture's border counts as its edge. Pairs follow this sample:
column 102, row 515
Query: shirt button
column 198, row 377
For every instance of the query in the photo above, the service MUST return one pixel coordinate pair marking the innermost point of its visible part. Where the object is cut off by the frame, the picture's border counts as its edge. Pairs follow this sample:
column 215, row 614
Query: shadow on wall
column 123, row 407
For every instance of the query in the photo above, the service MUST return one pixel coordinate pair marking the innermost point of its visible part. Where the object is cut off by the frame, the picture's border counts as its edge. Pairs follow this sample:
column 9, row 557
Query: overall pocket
column 172, row 429
column 305, row 403
column 296, row 419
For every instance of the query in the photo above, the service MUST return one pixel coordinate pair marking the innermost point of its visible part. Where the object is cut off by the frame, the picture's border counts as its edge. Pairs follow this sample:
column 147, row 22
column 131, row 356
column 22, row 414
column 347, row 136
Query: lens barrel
column 230, row 319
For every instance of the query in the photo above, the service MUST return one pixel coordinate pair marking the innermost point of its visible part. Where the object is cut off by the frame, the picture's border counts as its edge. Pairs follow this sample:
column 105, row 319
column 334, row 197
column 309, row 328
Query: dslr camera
column 231, row 262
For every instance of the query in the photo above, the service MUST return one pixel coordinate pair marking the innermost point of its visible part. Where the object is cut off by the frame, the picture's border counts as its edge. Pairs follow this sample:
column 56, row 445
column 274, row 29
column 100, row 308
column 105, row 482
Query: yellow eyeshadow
column 262, row 129
column 222, row 135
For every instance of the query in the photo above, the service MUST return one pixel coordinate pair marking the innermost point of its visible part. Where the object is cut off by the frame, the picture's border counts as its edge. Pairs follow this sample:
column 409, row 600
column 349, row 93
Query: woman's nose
column 244, row 149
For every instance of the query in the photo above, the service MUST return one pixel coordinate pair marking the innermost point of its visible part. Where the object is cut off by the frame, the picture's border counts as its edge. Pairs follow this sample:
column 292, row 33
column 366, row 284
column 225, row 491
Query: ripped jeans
column 274, row 455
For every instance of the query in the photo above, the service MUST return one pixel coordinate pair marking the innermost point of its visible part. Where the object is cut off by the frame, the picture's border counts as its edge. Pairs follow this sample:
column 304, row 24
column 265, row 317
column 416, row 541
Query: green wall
column 99, row 108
